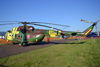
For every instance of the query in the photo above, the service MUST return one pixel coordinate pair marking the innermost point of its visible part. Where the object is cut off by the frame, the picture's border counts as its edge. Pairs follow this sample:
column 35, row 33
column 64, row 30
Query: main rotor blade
column 97, row 30
column 49, row 23
column 98, row 20
column 45, row 26
column 9, row 23
column 34, row 22
column 86, row 21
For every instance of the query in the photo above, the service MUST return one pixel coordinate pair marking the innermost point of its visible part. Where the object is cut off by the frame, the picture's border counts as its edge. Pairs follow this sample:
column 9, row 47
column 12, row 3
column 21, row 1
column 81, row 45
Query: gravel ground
column 8, row 50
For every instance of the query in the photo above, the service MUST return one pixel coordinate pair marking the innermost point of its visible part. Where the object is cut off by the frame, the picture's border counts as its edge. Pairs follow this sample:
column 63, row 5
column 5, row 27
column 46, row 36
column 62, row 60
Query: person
column 48, row 38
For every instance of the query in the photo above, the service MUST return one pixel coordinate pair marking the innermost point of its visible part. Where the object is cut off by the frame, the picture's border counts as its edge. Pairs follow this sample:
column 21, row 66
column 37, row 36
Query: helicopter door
column 9, row 36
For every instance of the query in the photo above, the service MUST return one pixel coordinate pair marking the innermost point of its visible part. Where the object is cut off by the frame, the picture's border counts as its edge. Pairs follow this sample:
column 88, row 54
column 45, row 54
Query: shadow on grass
column 4, row 66
column 55, row 43
column 75, row 43
column 44, row 43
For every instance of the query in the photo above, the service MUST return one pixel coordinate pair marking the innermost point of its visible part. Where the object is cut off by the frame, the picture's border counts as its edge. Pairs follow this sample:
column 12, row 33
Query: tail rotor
column 94, row 24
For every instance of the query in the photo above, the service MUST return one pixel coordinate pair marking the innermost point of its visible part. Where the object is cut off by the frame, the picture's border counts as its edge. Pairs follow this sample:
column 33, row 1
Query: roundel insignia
column 28, row 36
column 18, row 28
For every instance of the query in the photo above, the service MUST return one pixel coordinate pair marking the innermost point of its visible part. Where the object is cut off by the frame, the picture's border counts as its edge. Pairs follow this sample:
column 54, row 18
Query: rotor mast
column 25, row 36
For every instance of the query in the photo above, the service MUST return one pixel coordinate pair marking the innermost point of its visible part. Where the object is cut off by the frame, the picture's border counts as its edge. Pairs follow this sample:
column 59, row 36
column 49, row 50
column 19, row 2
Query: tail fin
column 88, row 30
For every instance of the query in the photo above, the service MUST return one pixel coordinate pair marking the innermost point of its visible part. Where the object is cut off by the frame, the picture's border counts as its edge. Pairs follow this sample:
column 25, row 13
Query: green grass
column 73, row 54
column 2, row 44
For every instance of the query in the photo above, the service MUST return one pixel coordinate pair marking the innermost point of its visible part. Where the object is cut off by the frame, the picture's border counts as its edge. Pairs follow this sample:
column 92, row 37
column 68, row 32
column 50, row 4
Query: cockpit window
column 23, row 31
column 9, row 35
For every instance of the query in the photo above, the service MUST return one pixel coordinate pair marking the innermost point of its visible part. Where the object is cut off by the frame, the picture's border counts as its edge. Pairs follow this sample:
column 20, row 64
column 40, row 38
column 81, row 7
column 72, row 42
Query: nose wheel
column 20, row 45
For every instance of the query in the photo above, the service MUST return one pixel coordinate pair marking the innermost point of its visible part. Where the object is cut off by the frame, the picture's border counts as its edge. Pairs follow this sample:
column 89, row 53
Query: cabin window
column 32, row 29
column 21, row 36
column 18, row 35
column 9, row 35
column 15, row 35
column 22, row 30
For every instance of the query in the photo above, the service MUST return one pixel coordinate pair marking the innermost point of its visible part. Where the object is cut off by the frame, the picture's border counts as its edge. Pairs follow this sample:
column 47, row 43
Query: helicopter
column 28, row 34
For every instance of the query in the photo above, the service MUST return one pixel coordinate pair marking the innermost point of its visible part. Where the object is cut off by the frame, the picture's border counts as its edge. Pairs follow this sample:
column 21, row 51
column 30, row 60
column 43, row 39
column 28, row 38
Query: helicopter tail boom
column 89, row 29
column 86, row 32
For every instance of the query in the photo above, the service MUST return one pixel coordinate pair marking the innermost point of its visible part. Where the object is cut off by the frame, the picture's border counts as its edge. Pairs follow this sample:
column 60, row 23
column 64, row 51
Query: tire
column 13, row 43
column 20, row 45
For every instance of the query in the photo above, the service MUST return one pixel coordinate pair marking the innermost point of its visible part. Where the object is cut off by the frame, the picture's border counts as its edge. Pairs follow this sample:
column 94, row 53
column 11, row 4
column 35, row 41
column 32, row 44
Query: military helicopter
column 28, row 34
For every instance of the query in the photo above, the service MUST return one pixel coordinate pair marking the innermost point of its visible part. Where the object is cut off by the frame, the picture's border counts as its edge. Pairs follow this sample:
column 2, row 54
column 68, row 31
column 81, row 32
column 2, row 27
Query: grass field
column 1, row 44
column 73, row 54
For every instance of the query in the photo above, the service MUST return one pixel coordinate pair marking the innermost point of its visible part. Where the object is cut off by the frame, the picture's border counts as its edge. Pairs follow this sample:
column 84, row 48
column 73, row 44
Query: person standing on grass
column 48, row 38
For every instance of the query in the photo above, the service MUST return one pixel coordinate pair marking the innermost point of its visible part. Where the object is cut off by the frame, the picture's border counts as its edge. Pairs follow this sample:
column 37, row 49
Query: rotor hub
column 25, row 22
column 94, row 23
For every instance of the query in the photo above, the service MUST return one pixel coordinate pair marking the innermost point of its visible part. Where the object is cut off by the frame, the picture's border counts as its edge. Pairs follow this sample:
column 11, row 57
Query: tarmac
column 9, row 50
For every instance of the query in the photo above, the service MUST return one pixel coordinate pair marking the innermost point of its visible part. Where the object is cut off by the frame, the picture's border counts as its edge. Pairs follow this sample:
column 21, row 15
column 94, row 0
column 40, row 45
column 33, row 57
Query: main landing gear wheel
column 20, row 45
column 13, row 43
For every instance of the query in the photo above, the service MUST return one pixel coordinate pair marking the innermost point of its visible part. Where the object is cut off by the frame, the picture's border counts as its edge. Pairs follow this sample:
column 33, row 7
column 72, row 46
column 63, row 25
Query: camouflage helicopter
column 28, row 34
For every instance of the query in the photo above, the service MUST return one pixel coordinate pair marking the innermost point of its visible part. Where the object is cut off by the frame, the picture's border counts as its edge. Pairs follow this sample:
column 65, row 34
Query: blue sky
column 66, row 12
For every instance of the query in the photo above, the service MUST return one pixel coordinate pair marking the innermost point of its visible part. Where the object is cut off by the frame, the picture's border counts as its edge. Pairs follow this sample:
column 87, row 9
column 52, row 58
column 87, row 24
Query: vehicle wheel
column 20, row 45
column 13, row 43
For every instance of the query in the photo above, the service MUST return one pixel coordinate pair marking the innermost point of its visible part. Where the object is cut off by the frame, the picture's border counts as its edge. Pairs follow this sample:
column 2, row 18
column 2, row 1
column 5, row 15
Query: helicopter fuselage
column 28, row 35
